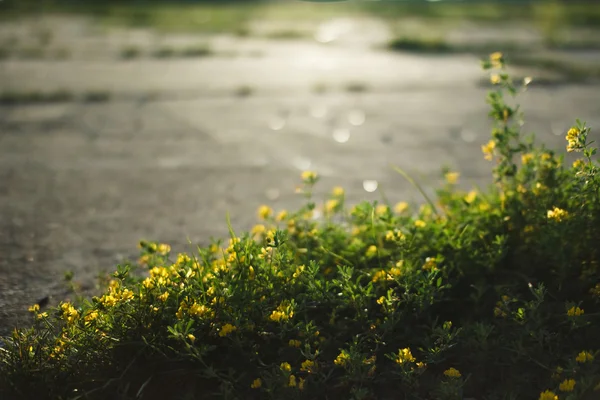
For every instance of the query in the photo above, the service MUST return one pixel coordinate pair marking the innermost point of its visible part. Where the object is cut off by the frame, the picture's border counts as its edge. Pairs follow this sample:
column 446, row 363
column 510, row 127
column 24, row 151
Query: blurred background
column 128, row 120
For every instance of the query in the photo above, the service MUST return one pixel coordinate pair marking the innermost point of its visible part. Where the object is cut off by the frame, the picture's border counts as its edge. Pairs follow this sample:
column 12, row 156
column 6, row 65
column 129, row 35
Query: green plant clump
column 483, row 294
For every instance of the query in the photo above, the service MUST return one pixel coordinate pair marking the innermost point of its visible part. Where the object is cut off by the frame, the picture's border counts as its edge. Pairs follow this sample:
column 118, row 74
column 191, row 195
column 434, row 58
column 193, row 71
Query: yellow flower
column 309, row 176
column 495, row 79
column 381, row 300
column 283, row 214
column 257, row 383
column 342, row 359
column 379, row 275
column 420, row 223
column 548, row 395
column 404, row 355
column 42, row 315
column 371, row 251
column 488, row 149
column 557, row 214
column 400, row 207
column 452, row 373
column 575, row 312
column 381, row 209
column 584, row 356
column 91, row 316
column 390, row 236
column 258, row 229
column 227, row 329
column 308, row 366
column 526, row 158
column 471, row 196
column 294, row 343
column 421, row 365
column 578, row 164
column 163, row 297
column 331, row 205
column 497, row 59
column 34, row 308
column 292, row 382
column 264, row 212
column 338, row 191
column 163, row 249
column 568, row 385
column 191, row 337
column 301, row 384
column 70, row 314
column 285, row 367
column 452, row 177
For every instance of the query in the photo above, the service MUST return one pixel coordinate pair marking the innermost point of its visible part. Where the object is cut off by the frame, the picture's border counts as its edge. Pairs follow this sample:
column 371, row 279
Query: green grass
column 34, row 97
column 233, row 16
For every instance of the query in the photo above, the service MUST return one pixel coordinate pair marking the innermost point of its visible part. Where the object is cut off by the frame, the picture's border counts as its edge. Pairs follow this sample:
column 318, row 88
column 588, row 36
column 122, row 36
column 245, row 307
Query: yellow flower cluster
column 264, row 212
column 227, row 329
column 404, row 356
column 70, row 314
column 452, row 177
column 285, row 367
column 257, row 383
column 584, row 356
column 575, row 312
column 471, row 196
column 452, row 373
column 430, row 264
column 488, row 150
column 401, row 207
column 548, row 395
column 308, row 366
column 371, row 251
column 497, row 59
column 420, row 223
column 568, row 385
column 309, row 177
column 294, row 343
column 342, row 359
column 557, row 214
column 573, row 138
column 282, row 313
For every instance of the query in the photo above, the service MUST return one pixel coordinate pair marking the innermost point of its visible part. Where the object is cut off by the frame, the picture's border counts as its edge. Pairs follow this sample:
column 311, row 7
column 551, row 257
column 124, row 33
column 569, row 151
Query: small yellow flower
column 227, row 329
column 421, row 365
column 371, row 251
column 420, row 223
column 258, row 229
column 338, row 191
column 283, row 214
column 404, row 355
column 34, row 308
column 584, row 356
column 294, row 343
column 452, row 373
column 342, row 359
column 495, row 79
column 568, row 385
column 257, row 383
column 497, row 59
column 309, row 176
column 163, row 297
column 301, row 384
column 292, row 382
column 381, row 300
column 191, row 337
column 331, row 205
column 548, row 395
column 471, row 196
column 452, row 177
column 285, row 367
column 390, row 236
column 578, row 164
column 308, row 366
column 557, row 214
column 526, row 158
column 264, row 212
column 575, row 312
column 400, row 207
column 488, row 150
